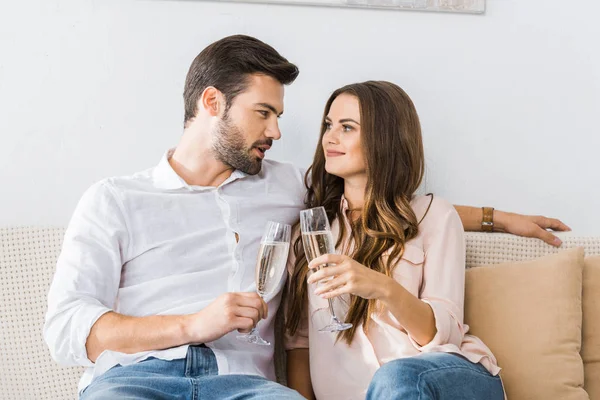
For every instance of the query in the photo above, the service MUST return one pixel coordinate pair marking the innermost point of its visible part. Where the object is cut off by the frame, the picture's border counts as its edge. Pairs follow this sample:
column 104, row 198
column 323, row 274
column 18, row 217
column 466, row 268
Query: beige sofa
column 27, row 262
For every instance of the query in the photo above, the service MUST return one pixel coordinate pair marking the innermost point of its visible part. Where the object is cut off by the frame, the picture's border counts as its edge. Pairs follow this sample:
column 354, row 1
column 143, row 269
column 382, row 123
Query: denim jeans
column 439, row 376
column 195, row 377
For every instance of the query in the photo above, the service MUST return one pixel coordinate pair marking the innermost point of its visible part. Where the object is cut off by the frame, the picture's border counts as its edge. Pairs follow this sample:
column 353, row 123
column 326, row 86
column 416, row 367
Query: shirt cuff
column 444, row 323
column 81, row 325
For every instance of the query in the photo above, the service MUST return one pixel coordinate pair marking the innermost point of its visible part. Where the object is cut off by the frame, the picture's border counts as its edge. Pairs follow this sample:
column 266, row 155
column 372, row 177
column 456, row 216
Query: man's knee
column 137, row 387
column 269, row 390
column 251, row 387
column 105, row 390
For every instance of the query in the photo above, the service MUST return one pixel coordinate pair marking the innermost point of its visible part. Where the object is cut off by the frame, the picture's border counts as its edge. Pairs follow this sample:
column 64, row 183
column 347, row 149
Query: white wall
column 508, row 100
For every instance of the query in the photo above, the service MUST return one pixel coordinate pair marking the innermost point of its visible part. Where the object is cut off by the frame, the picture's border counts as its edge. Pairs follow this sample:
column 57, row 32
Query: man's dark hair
column 227, row 64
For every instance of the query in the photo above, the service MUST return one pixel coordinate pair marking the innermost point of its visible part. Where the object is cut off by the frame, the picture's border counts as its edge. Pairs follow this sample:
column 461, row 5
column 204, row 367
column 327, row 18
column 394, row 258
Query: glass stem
column 333, row 317
column 254, row 332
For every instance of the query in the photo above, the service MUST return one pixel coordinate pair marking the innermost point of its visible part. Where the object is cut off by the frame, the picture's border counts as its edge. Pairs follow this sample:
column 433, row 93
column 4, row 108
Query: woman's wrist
column 500, row 218
column 391, row 292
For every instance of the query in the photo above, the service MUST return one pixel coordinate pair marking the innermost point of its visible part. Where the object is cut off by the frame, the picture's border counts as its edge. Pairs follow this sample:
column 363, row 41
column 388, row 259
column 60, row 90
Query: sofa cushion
column 590, row 347
column 530, row 315
column 27, row 262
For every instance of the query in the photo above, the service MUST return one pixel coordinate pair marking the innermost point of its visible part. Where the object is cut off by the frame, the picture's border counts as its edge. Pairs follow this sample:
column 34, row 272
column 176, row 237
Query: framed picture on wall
column 464, row 6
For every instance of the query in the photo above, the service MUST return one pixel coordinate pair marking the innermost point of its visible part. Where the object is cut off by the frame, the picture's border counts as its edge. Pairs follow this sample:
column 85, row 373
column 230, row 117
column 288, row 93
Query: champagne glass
column 270, row 266
column 317, row 240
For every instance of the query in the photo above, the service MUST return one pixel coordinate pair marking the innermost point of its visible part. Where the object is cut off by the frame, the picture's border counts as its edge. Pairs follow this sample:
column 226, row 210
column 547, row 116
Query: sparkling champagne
column 272, row 258
column 318, row 243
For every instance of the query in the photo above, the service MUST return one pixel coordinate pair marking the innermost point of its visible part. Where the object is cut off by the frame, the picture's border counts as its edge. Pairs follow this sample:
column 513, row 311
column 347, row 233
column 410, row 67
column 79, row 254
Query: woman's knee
column 396, row 379
column 406, row 377
column 433, row 376
column 402, row 369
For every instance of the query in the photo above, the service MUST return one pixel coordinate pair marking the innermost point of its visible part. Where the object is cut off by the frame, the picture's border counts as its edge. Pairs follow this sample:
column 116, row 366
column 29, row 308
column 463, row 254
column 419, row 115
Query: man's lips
column 261, row 150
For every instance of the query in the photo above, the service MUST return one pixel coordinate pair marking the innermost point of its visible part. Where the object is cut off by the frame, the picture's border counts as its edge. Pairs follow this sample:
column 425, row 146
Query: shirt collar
column 166, row 178
column 344, row 204
column 164, row 175
column 345, row 207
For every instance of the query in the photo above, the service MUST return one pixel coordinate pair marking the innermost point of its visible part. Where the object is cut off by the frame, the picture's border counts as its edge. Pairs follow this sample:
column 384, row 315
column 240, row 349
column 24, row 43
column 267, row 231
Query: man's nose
column 273, row 131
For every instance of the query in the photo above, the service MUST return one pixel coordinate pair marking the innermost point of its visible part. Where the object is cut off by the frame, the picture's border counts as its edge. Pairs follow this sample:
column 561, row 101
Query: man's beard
column 229, row 147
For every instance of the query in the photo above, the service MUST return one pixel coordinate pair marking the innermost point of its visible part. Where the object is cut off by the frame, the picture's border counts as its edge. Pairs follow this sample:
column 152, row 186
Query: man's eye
column 265, row 114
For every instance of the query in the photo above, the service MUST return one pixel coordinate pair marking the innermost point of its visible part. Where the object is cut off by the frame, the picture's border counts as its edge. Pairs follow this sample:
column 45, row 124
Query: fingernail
column 557, row 242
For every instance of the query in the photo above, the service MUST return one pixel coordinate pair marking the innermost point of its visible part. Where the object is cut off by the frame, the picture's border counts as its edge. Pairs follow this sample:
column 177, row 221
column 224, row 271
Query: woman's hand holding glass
column 347, row 276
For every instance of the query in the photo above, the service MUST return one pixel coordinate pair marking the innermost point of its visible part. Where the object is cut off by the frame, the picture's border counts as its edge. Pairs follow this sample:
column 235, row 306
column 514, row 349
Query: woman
column 400, row 272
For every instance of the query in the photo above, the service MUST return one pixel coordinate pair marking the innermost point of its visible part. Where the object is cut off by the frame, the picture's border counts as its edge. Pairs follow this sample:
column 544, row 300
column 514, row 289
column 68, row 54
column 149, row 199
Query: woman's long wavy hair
column 393, row 152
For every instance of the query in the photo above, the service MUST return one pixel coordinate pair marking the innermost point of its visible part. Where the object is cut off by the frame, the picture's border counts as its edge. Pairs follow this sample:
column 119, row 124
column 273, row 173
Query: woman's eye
column 347, row 128
column 327, row 126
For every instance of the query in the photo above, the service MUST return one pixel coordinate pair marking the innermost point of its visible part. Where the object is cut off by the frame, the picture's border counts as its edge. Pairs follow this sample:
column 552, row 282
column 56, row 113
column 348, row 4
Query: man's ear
column 212, row 101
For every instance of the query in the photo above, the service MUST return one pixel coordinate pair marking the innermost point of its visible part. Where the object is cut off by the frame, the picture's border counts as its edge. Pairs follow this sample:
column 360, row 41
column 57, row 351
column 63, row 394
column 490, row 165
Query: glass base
column 336, row 327
column 254, row 339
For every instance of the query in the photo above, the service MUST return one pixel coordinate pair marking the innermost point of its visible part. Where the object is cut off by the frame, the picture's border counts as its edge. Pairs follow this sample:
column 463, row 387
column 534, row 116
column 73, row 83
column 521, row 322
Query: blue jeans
column 439, row 376
column 192, row 378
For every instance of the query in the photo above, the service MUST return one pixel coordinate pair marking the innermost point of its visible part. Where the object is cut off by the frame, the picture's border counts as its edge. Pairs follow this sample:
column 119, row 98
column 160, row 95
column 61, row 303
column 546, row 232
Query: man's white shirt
column 150, row 244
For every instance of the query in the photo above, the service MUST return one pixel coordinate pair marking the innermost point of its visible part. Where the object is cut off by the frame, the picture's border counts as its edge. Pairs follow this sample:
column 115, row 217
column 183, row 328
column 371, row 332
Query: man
column 159, row 266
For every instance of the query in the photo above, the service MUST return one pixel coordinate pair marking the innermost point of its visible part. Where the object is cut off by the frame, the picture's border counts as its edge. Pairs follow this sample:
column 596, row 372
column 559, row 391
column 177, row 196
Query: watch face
column 487, row 226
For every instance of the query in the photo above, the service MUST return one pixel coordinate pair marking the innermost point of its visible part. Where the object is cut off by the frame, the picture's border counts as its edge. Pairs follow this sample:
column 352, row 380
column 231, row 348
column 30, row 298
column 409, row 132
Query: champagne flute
column 270, row 267
column 317, row 240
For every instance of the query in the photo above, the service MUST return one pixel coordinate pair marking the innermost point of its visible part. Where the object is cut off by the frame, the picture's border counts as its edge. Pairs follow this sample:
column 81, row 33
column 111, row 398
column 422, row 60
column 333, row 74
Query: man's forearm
column 117, row 332
column 228, row 312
